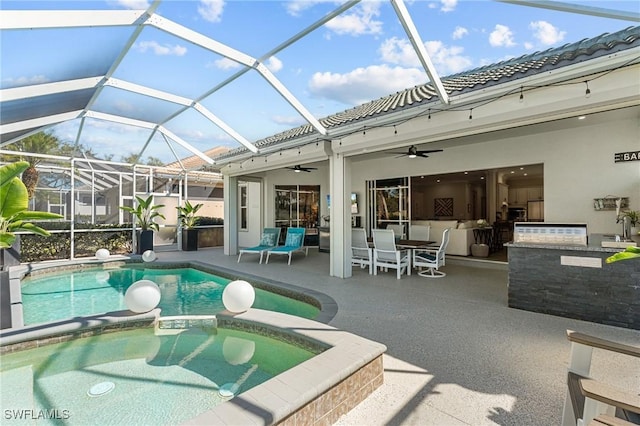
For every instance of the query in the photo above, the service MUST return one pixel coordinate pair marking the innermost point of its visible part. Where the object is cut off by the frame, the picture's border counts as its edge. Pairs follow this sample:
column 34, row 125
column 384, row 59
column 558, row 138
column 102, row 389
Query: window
column 243, row 208
column 297, row 205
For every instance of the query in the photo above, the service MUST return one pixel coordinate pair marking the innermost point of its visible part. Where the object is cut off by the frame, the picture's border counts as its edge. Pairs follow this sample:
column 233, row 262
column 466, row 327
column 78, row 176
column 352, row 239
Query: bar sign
column 620, row 157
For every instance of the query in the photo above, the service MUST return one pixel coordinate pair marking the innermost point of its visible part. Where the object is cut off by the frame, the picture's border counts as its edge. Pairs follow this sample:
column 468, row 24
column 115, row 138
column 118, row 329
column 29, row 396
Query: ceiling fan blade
column 422, row 154
column 429, row 151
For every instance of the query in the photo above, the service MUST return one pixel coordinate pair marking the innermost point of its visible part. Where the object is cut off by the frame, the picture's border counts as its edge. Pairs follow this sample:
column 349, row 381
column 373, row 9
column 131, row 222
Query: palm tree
column 39, row 143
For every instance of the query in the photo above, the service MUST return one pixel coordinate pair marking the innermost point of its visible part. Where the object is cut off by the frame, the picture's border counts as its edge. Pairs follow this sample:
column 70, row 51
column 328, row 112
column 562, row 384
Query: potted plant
column 188, row 221
column 634, row 219
column 14, row 216
column 145, row 213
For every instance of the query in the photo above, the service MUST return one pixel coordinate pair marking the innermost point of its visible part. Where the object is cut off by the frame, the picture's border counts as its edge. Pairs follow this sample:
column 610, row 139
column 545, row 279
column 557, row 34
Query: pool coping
column 326, row 304
column 317, row 391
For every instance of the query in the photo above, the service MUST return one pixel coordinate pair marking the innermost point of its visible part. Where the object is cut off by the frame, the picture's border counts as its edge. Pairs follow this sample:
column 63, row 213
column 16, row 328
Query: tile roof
column 464, row 82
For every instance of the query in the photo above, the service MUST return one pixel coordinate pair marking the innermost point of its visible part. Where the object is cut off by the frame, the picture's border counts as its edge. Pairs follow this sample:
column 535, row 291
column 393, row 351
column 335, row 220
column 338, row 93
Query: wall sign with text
column 620, row 157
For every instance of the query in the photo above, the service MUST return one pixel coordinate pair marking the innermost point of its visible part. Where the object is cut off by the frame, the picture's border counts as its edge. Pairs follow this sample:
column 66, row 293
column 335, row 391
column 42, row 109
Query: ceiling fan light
column 412, row 156
column 297, row 170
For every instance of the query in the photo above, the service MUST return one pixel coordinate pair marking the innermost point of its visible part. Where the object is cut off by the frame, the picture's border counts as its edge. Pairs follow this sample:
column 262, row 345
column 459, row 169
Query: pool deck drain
column 100, row 389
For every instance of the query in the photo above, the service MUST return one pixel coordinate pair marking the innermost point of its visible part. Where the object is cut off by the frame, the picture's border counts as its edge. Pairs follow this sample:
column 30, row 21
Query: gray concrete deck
column 457, row 355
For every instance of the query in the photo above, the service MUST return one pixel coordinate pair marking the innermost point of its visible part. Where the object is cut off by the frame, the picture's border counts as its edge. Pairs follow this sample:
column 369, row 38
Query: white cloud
column 161, row 50
column 211, row 10
column 358, row 21
column 364, row 84
column 24, row 81
column 448, row 5
column 446, row 59
column 133, row 4
column 274, row 64
column 226, row 64
column 528, row 45
column 290, row 121
column 501, row 36
column 546, row 33
column 296, row 7
column 459, row 32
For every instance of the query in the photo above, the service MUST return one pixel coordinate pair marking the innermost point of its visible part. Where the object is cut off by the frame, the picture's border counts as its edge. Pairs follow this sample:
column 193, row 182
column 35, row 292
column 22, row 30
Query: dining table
column 409, row 246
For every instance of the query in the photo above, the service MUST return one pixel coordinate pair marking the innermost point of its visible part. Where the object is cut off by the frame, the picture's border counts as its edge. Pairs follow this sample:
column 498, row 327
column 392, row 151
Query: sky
column 361, row 55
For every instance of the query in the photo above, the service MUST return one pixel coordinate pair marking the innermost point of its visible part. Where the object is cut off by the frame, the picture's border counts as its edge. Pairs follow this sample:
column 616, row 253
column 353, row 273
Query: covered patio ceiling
column 99, row 74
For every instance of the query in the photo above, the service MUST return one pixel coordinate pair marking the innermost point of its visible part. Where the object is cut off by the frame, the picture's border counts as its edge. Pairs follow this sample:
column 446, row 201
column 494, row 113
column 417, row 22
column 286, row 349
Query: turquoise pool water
column 136, row 377
column 185, row 291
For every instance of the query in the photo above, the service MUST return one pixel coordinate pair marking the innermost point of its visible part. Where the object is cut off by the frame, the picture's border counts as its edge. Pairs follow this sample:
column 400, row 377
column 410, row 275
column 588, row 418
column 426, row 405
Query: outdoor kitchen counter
column 575, row 282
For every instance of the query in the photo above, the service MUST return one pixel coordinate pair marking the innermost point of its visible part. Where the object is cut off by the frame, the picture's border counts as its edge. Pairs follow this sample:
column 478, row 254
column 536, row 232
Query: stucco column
column 230, row 215
column 340, row 224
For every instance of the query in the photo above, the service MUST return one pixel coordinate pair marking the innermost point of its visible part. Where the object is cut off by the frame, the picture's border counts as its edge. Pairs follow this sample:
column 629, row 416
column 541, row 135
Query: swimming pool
column 318, row 391
column 185, row 291
column 165, row 375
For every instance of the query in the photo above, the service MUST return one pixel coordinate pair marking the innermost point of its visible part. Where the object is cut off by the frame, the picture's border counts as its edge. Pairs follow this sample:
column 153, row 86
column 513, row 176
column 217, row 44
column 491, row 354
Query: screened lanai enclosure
column 88, row 194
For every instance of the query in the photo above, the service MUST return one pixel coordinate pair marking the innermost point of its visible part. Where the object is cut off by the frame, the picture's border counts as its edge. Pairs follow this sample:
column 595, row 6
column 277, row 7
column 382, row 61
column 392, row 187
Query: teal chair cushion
column 293, row 240
column 267, row 240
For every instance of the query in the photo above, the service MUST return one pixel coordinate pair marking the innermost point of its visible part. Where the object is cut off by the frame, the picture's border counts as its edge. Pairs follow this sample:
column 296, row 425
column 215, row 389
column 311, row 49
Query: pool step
column 179, row 323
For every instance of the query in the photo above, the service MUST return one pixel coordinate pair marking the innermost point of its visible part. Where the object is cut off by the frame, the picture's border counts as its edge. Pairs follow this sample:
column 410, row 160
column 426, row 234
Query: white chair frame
column 361, row 253
column 385, row 253
column 432, row 259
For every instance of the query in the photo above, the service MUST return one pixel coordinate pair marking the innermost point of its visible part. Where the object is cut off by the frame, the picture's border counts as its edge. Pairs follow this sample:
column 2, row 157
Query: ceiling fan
column 298, row 169
column 413, row 152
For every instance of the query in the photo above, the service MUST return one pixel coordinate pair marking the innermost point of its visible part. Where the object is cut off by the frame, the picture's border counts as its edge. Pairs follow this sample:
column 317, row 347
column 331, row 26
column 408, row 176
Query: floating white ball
column 238, row 296
column 102, row 254
column 142, row 296
column 237, row 351
column 102, row 276
column 149, row 256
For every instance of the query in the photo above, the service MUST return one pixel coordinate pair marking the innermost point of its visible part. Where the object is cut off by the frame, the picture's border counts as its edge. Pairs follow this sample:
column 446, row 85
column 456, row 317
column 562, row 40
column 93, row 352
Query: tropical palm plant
column 146, row 213
column 14, row 201
column 39, row 143
column 187, row 214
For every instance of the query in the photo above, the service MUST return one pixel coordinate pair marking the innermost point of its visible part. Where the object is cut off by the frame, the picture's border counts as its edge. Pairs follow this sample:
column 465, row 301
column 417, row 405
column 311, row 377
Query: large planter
column 10, row 256
column 189, row 239
column 211, row 237
column 145, row 241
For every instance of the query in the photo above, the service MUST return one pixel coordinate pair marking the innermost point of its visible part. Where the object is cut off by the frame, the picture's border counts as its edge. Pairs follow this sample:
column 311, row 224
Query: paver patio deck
column 457, row 354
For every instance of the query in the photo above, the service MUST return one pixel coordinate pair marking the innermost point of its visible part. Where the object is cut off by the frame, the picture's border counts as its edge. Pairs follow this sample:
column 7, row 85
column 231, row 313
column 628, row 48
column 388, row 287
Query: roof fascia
column 418, row 45
column 575, row 8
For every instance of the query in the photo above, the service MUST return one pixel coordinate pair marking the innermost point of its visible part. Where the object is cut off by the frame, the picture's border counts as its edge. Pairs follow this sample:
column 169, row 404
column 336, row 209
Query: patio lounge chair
column 361, row 253
column 432, row 259
column 293, row 242
column 385, row 253
column 269, row 240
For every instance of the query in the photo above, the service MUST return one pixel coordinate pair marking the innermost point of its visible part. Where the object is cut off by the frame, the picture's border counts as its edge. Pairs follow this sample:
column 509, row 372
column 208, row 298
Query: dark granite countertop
column 593, row 244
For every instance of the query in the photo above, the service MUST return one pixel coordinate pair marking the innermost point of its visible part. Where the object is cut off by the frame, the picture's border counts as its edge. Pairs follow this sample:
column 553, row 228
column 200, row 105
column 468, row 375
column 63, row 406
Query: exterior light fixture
column 587, row 93
column 521, row 95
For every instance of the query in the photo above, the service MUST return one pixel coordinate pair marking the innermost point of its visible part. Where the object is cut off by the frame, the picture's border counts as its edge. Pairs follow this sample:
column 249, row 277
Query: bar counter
column 575, row 282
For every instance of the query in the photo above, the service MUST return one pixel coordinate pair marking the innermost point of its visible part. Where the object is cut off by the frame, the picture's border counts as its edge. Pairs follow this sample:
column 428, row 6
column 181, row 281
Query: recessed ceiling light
column 521, row 168
column 481, row 177
column 525, row 174
column 438, row 181
column 582, row 117
column 512, row 172
column 466, row 173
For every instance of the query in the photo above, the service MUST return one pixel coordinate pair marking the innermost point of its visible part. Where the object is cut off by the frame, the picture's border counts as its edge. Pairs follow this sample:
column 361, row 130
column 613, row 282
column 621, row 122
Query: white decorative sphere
column 102, row 276
column 149, row 256
column 102, row 254
column 237, row 351
column 238, row 296
column 142, row 296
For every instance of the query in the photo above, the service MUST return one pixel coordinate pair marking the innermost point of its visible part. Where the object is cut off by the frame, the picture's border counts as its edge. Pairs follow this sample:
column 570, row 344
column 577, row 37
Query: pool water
column 137, row 377
column 185, row 291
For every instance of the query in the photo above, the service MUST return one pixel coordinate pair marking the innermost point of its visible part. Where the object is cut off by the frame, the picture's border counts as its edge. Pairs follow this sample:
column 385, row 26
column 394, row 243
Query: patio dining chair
column 269, row 240
column 293, row 242
column 385, row 253
column 361, row 253
column 432, row 259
